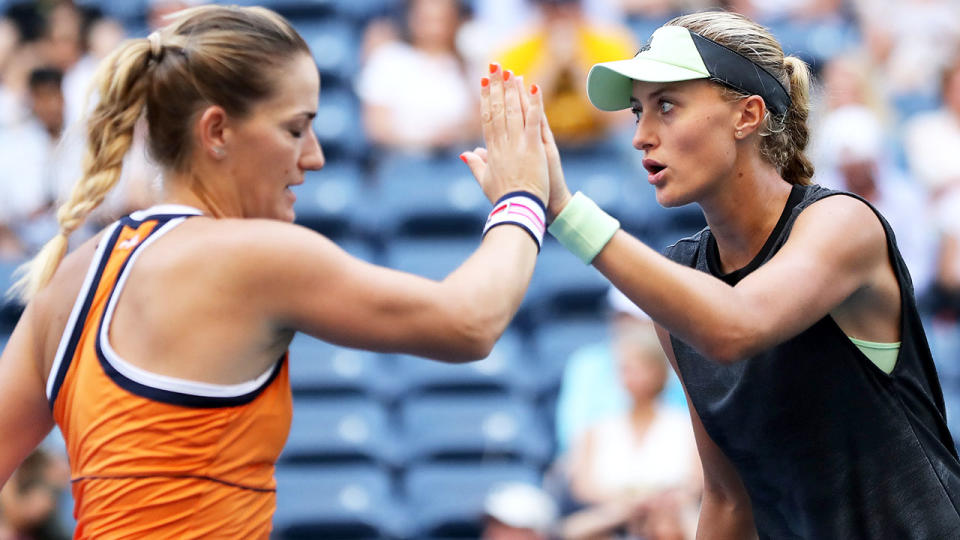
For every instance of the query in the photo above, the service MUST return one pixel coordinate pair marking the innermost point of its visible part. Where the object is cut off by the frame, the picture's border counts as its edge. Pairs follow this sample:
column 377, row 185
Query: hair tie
column 156, row 47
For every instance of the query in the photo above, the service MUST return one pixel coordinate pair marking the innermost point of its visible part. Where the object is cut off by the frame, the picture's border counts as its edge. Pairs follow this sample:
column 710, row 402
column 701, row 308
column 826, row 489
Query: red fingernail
column 506, row 75
column 534, row 89
column 493, row 68
column 484, row 82
column 463, row 158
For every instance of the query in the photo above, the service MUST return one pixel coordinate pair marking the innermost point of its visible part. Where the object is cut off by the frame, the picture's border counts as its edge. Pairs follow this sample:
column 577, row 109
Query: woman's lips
column 655, row 169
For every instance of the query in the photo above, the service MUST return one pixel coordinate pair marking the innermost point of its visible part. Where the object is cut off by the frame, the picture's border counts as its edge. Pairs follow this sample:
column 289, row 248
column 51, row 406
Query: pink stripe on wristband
column 521, row 209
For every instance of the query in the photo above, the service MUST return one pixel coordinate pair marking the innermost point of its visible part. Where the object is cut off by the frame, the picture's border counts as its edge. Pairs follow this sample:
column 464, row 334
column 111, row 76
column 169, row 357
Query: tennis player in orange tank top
column 158, row 449
column 159, row 347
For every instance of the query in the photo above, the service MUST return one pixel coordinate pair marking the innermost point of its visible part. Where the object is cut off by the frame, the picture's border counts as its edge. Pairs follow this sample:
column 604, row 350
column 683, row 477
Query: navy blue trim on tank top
column 78, row 326
column 156, row 394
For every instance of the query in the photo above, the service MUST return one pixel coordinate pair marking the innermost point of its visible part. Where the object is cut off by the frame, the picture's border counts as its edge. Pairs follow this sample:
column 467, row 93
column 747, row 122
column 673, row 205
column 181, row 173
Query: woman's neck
column 744, row 212
column 642, row 413
column 186, row 189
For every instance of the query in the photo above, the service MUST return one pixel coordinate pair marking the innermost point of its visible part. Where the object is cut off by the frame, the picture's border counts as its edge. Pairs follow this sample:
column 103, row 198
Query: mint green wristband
column 583, row 228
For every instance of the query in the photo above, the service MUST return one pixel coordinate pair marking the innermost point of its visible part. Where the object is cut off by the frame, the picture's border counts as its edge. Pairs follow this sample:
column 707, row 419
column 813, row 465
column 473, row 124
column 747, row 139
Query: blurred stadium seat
column 431, row 258
column 555, row 340
column 9, row 309
column 334, row 44
column 126, row 11
column 320, row 368
column 446, row 500
column 343, row 502
column 327, row 201
column 427, row 196
column 474, row 428
column 601, row 174
column 337, row 124
column 508, row 369
column 563, row 284
column 341, row 429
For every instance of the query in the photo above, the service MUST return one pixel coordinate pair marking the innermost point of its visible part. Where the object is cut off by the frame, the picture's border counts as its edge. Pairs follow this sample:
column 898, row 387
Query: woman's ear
column 752, row 109
column 212, row 131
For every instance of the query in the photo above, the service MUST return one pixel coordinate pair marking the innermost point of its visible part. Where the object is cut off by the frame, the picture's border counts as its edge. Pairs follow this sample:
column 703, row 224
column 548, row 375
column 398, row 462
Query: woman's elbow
column 474, row 336
column 728, row 347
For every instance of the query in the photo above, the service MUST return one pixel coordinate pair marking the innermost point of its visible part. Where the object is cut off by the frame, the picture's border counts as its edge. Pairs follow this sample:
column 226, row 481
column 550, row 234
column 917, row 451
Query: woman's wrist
column 583, row 227
column 557, row 204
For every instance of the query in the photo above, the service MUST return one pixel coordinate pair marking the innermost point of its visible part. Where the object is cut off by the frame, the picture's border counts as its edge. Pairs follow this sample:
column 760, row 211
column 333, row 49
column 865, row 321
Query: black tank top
column 828, row 445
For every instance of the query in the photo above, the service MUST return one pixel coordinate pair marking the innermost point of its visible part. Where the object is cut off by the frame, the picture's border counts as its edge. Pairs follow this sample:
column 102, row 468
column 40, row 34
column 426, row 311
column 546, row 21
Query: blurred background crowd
column 574, row 426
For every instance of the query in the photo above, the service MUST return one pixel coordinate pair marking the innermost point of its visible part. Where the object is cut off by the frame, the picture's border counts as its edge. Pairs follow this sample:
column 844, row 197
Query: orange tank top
column 154, row 456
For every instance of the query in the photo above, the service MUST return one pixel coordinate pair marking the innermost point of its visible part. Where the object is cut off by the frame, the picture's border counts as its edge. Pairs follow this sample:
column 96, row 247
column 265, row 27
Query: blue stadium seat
column 126, row 11
column 343, row 501
column 601, row 175
column 474, row 427
column 285, row 6
column 337, row 124
column 563, row 283
column 362, row 10
column 318, row 367
column 555, row 340
column 508, row 369
column 427, row 196
column 431, row 258
column 9, row 309
column 447, row 499
column 341, row 429
column 328, row 199
column 334, row 44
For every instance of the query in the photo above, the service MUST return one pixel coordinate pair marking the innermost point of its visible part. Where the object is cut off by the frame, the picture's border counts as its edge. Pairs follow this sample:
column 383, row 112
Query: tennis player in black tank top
column 774, row 313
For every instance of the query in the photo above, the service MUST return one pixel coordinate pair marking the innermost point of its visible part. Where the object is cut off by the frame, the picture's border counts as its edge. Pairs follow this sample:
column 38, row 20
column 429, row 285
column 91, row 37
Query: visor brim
column 610, row 84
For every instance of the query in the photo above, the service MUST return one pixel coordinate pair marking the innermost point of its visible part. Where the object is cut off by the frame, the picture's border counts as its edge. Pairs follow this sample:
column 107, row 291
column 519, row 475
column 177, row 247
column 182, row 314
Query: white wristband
column 522, row 209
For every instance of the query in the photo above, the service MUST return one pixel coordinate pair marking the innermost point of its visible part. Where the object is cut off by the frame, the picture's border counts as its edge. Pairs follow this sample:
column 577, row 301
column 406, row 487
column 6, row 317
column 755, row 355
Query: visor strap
column 741, row 73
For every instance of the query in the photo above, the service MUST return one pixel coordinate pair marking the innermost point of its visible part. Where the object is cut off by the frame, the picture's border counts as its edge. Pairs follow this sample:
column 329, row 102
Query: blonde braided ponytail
column 121, row 82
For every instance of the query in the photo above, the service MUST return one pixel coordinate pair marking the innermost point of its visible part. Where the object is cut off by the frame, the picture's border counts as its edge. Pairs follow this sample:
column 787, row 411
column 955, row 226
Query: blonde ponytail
column 121, row 82
column 796, row 168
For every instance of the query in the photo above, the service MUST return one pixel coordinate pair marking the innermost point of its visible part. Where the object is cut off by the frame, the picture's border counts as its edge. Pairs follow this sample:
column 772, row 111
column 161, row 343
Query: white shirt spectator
column 931, row 141
column 661, row 459
column 436, row 101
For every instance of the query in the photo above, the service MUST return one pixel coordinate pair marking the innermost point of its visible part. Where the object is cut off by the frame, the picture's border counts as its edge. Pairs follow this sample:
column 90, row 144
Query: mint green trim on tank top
column 883, row 355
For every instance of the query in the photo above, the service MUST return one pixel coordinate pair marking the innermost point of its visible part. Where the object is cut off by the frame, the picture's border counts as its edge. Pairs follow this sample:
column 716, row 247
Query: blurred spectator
column 911, row 40
column 28, row 501
column 625, row 468
column 28, row 162
column 136, row 186
column 591, row 389
column 63, row 37
column 158, row 10
column 516, row 511
column 415, row 92
column 557, row 55
column 778, row 10
column 102, row 35
column 931, row 139
column 852, row 154
column 661, row 9
column 851, row 79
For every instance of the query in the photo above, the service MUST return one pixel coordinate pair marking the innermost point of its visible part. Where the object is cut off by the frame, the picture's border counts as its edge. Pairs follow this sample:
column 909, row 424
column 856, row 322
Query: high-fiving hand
column 514, row 158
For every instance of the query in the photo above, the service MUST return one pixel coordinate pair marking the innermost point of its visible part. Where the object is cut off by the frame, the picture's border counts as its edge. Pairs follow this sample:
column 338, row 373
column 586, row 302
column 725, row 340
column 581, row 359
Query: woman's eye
column 296, row 133
column 665, row 107
column 637, row 112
